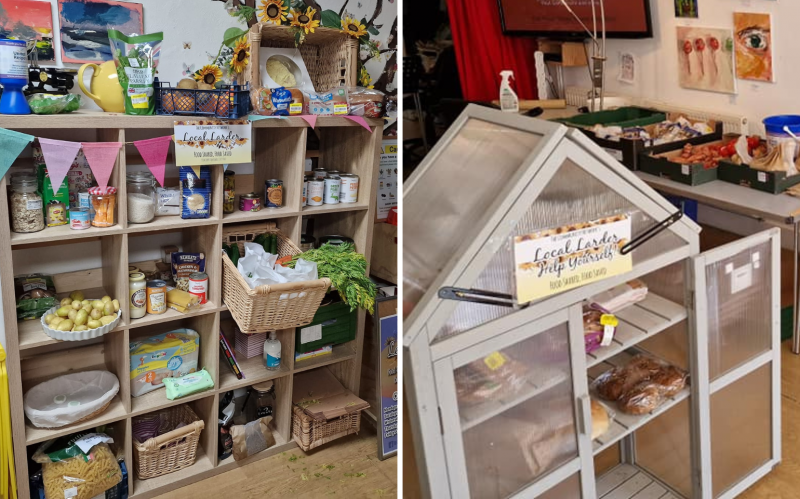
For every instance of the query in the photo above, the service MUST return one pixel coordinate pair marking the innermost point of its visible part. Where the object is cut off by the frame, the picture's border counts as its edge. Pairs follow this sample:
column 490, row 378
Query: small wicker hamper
column 310, row 433
column 172, row 451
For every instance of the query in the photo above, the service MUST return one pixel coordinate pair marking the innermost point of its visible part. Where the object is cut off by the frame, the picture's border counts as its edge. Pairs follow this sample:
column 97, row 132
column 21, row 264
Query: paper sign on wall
column 556, row 260
column 212, row 142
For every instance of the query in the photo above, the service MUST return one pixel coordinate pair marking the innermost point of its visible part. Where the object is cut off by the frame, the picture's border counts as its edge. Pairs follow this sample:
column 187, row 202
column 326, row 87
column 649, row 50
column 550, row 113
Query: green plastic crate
column 338, row 326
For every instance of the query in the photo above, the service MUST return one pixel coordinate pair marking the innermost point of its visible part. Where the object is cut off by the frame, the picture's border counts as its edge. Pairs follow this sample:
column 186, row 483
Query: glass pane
column 739, row 309
column 741, row 428
column 571, row 196
column 454, row 193
column 663, row 448
column 517, row 412
column 568, row 489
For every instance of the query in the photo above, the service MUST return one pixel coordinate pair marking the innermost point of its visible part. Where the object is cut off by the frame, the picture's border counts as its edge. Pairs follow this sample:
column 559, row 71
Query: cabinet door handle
column 584, row 410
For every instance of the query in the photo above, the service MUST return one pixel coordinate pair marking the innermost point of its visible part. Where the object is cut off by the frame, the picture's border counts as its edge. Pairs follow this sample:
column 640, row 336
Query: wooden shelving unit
column 279, row 152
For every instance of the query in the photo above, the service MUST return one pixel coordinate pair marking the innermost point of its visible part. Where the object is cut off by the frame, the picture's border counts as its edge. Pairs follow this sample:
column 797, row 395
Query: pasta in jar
column 79, row 467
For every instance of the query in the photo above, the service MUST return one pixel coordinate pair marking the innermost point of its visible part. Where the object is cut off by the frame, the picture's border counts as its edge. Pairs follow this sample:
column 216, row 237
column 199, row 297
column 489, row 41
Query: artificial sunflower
column 353, row 27
column 364, row 78
column 305, row 20
column 240, row 55
column 241, row 141
column 273, row 11
column 209, row 74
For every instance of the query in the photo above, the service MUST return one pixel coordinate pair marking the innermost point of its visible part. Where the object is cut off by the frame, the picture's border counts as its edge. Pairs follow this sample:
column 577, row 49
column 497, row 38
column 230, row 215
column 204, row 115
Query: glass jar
column 26, row 205
column 229, row 195
column 104, row 202
column 138, row 295
column 264, row 394
column 141, row 197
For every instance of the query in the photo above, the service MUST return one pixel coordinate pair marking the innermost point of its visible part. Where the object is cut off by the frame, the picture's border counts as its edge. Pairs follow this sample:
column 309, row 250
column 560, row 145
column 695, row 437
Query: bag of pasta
column 78, row 466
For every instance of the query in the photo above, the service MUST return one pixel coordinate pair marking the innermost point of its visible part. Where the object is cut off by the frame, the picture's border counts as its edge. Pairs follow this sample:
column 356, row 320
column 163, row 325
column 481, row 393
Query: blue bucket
column 775, row 133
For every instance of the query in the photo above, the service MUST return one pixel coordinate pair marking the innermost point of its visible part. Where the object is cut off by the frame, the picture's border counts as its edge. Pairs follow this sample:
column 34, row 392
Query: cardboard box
column 320, row 395
column 772, row 182
column 689, row 174
column 383, row 261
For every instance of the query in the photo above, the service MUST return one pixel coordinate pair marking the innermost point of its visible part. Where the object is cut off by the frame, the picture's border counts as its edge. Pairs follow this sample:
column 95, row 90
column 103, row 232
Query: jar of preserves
column 138, row 295
column 104, row 202
column 26, row 205
column 229, row 192
column 141, row 197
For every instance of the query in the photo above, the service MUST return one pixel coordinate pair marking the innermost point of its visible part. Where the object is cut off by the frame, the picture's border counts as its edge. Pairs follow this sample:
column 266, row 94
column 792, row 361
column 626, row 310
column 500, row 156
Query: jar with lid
column 141, row 197
column 260, row 401
column 138, row 295
column 104, row 202
column 229, row 195
column 26, row 205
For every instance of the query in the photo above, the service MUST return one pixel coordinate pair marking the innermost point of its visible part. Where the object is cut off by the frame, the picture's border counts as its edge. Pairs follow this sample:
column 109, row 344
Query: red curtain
column 482, row 51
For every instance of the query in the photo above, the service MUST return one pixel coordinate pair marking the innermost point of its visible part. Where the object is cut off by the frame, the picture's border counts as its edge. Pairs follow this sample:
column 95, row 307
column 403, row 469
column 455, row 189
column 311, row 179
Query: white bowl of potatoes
column 77, row 318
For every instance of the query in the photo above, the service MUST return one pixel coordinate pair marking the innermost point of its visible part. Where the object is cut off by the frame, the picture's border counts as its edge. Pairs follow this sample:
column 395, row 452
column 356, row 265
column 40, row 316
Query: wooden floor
column 348, row 468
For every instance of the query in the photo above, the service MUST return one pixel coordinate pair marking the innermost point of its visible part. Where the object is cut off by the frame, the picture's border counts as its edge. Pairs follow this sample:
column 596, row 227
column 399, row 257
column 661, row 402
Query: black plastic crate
column 228, row 102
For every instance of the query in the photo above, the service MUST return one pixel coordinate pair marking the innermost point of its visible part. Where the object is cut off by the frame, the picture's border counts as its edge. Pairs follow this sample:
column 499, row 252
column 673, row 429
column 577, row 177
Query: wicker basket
column 261, row 309
column 310, row 433
column 330, row 55
column 171, row 451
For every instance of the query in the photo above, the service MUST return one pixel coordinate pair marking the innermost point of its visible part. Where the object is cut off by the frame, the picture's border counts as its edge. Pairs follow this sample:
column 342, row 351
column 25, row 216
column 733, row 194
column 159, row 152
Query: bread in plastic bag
column 69, row 398
column 642, row 385
column 620, row 297
column 602, row 416
column 642, row 399
column 78, row 466
column 613, row 384
column 497, row 375
column 366, row 102
column 251, row 438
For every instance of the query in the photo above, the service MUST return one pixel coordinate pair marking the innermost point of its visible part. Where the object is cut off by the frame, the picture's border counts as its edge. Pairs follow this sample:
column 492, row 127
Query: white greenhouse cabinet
column 716, row 314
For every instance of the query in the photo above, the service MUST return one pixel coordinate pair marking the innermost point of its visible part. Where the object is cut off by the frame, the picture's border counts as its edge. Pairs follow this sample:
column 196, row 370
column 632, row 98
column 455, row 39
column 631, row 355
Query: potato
column 108, row 309
column 55, row 322
column 77, row 295
column 80, row 328
column 65, row 325
column 66, row 302
column 187, row 84
column 81, row 318
column 96, row 314
column 115, row 302
column 63, row 311
column 94, row 324
column 105, row 299
column 98, row 304
column 86, row 302
column 88, row 308
column 77, row 305
column 72, row 314
column 108, row 319
column 49, row 318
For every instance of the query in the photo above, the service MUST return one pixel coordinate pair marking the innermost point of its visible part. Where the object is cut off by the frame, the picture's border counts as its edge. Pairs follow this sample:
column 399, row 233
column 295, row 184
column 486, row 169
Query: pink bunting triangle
column 101, row 156
column 311, row 119
column 154, row 152
column 361, row 121
column 58, row 156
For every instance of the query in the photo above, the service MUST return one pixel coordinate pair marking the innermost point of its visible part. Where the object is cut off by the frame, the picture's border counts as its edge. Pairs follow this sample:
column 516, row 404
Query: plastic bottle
column 508, row 98
column 13, row 76
column 272, row 352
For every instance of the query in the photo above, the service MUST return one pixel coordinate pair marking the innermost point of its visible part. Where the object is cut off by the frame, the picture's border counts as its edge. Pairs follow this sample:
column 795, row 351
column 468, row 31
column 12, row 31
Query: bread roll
column 600, row 421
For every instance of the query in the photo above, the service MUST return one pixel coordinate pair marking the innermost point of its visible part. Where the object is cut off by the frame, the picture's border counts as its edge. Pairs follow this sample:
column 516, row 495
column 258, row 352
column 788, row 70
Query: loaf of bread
column 478, row 382
column 600, row 419
column 671, row 380
column 642, row 399
column 615, row 383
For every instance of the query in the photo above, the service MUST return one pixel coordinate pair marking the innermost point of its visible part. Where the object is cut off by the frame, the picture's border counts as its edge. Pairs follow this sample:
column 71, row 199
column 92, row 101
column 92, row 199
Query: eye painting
column 753, row 46
column 754, row 38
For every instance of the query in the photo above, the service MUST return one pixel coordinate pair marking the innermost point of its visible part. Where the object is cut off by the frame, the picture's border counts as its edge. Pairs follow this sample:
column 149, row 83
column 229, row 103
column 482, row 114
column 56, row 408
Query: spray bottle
column 508, row 98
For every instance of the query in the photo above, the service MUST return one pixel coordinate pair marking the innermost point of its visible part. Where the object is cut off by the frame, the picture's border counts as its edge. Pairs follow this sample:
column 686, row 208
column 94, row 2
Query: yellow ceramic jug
column 105, row 91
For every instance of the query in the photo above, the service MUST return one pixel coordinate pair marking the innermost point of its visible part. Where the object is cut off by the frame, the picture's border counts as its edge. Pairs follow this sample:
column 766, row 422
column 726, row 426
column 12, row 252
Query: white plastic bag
column 66, row 399
column 258, row 268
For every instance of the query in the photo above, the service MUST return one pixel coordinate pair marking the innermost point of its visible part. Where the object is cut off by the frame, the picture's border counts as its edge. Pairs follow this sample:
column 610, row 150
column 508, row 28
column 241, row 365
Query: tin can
column 273, row 193
column 334, row 173
column 348, row 193
column 156, row 297
column 316, row 192
column 84, row 200
column 305, row 193
column 229, row 192
column 320, row 173
column 79, row 218
column 198, row 285
column 250, row 202
column 333, row 186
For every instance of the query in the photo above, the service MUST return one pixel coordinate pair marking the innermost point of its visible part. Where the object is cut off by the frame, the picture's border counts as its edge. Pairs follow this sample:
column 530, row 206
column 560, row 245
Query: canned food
column 198, row 285
column 334, row 173
column 333, row 186
column 229, row 192
column 305, row 193
column 348, row 193
column 79, row 218
column 84, row 200
column 320, row 173
column 316, row 192
column 250, row 202
column 273, row 197
column 156, row 297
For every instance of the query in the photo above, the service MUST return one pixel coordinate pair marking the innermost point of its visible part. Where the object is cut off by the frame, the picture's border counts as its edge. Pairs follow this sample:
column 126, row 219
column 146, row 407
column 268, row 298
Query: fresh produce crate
column 173, row 450
column 267, row 308
column 338, row 325
column 689, row 174
column 772, row 182
column 310, row 433
column 624, row 117
column 229, row 102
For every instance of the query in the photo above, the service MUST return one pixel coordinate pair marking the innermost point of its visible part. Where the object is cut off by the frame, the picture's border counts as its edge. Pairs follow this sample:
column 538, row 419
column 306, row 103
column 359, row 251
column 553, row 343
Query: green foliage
column 330, row 19
column 347, row 270
column 373, row 31
column 245, row 13
column 232, row 35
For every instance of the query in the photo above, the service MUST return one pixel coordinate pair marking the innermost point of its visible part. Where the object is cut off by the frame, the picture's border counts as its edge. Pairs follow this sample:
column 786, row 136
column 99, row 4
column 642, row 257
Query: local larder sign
column 212, row 142
column 556, row 260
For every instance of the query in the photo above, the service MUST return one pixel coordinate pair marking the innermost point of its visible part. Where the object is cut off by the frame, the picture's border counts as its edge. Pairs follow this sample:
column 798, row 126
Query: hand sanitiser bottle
column 272, row 352
column 508, row 98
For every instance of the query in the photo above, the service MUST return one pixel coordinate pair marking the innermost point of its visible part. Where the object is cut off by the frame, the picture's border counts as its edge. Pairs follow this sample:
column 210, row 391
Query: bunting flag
column 154, row 152
column 101, row 157
column 59, row 156
column 360, row 120
column 11, row 145
column 256, row 117
column 311, row 119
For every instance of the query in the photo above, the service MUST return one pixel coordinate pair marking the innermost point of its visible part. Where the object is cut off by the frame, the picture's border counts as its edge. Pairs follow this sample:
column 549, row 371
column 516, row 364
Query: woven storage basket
column 171, row 451
column 310, row 433
column 261, row 309
column 330, row 55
